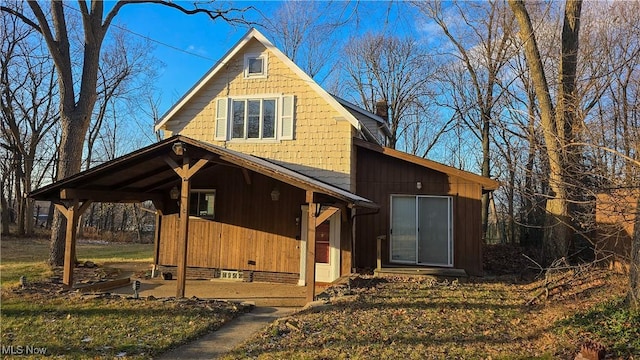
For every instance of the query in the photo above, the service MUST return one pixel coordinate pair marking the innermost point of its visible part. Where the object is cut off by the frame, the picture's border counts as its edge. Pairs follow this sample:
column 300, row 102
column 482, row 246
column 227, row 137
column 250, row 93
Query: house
column 279, row 180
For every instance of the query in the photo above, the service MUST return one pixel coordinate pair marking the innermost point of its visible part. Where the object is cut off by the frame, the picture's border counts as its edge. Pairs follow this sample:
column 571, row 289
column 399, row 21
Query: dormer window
column 255, row 66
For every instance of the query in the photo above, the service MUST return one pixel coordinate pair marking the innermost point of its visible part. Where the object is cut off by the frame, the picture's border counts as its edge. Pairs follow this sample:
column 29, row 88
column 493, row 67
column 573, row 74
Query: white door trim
column 333, row 269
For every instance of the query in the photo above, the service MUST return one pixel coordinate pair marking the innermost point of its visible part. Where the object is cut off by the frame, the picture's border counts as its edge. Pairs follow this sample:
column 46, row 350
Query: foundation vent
column 231, row 275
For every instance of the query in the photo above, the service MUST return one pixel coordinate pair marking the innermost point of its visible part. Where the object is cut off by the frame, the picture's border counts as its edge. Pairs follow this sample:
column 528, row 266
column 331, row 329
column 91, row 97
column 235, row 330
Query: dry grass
column 424, row 319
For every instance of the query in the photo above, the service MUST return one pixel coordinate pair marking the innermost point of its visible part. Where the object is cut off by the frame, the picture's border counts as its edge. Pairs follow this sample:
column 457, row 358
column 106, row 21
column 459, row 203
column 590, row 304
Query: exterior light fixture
column 419, row 185
column 174, row 193
column 178, row 148
column 275, row 194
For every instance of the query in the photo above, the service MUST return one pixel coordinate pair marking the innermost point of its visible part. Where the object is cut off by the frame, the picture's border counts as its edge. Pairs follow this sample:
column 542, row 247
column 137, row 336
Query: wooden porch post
column 311, row 248
column 72, row 213
column 186, row 171
column 183, row 233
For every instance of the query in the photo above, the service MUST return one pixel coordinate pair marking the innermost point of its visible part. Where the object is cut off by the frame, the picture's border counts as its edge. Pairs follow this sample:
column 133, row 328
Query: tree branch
column 212, row 14
column 22, row 17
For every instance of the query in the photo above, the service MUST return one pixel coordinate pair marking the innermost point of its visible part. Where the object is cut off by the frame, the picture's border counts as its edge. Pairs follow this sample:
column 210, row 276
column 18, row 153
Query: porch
column 250, row 208
column 257, row 293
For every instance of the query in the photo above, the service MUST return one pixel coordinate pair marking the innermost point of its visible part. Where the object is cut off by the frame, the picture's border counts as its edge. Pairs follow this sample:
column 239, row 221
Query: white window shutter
column 221, row 119
column 287, row 119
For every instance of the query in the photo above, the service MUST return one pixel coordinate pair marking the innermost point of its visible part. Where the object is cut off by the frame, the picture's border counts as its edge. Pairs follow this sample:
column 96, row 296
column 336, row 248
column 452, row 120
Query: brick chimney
column 382, row 109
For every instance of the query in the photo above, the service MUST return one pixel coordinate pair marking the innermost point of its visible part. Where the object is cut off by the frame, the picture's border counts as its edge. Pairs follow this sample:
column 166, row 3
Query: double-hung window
column 254, row 119
column 268, row 117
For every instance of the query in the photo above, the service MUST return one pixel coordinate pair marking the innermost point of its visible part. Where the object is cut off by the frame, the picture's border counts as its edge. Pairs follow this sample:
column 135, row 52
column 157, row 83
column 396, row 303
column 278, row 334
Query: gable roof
column 145, row 175
column 255, row 34
column 486, row 183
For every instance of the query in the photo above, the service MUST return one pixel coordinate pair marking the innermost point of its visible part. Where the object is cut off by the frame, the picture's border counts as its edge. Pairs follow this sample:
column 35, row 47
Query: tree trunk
column 71, row 144
column 633, row 297
column 556, row 123
column 4, row 211
column 486, row 169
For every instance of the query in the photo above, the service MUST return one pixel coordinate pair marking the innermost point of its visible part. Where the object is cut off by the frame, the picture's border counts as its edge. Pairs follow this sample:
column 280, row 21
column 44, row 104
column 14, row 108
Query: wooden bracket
column 247, row 176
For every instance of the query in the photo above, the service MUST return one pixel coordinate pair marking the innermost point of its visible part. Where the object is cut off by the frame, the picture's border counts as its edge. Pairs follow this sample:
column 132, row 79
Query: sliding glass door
column 421, row 230
column 403, row 229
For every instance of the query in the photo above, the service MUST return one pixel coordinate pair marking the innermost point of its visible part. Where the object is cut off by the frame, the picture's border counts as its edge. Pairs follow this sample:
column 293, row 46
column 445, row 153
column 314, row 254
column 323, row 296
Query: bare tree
column 481, row 42
column 557, row 120
column 78, row 96
column 633, row 296
column 307, row 32
column 383, row 68
column 27, row 98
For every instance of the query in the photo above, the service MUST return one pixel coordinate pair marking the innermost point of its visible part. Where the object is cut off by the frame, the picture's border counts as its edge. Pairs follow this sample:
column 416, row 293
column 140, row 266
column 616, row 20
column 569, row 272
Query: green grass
column 79, row 328
column 611, row 322
column 73, row 327
column 28, row 257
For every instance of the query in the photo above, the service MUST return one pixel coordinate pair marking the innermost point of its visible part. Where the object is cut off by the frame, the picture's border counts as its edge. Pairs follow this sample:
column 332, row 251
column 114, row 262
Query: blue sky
column 189, row 45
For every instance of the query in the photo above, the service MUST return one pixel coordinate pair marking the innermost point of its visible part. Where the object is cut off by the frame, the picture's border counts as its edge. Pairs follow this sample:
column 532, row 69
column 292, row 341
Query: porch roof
column 145, row 174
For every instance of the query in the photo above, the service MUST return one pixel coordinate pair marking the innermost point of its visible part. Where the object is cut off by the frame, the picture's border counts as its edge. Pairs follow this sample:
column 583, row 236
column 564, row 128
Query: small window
column 202, row 203
column 255, row 65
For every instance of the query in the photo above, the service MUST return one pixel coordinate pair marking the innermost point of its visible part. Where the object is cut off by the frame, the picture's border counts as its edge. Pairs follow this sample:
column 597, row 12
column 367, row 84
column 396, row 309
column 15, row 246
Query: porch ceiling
column 145, row 174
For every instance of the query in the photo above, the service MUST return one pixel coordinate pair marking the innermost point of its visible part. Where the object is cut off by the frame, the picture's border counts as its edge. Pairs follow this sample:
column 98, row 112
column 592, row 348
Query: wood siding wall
column 248, row 227
column 379, row 176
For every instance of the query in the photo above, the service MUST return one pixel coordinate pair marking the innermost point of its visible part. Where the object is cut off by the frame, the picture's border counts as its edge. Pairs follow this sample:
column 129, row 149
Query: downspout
column 353, row 234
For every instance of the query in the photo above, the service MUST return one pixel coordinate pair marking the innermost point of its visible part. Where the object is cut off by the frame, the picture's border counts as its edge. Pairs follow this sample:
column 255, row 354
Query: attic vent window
column 255, row 66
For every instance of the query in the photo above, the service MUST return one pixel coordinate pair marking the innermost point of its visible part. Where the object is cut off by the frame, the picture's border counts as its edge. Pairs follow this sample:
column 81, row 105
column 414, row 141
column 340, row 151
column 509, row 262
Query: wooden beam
column 311, row 248
column 144, row 176
column 107, row 196
column 198, row 165
column 183, row 232
column 159, row 184
column 174, row 165
column 156, row 237
column 247, row 176
column 325, row 214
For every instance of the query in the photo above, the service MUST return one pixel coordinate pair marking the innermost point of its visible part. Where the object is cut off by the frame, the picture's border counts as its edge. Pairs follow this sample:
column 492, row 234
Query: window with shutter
column 255, row 118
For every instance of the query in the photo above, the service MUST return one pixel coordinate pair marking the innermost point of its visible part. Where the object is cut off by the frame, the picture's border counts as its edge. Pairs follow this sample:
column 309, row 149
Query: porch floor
column 258, row 293
column 391, row 270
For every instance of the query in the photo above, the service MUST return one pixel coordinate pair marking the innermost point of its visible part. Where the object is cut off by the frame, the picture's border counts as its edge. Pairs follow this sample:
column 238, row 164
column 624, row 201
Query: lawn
column 393, row 318
column 73, row 326
column 27, row 256
column 424, row 319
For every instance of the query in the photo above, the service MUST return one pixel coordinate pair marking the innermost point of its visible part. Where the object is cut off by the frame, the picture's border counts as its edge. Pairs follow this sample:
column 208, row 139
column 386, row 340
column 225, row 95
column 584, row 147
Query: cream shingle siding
column 322, row 139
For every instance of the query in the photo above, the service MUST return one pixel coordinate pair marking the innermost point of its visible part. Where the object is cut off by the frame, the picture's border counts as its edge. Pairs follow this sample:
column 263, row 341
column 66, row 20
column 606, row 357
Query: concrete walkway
column 217, row 343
